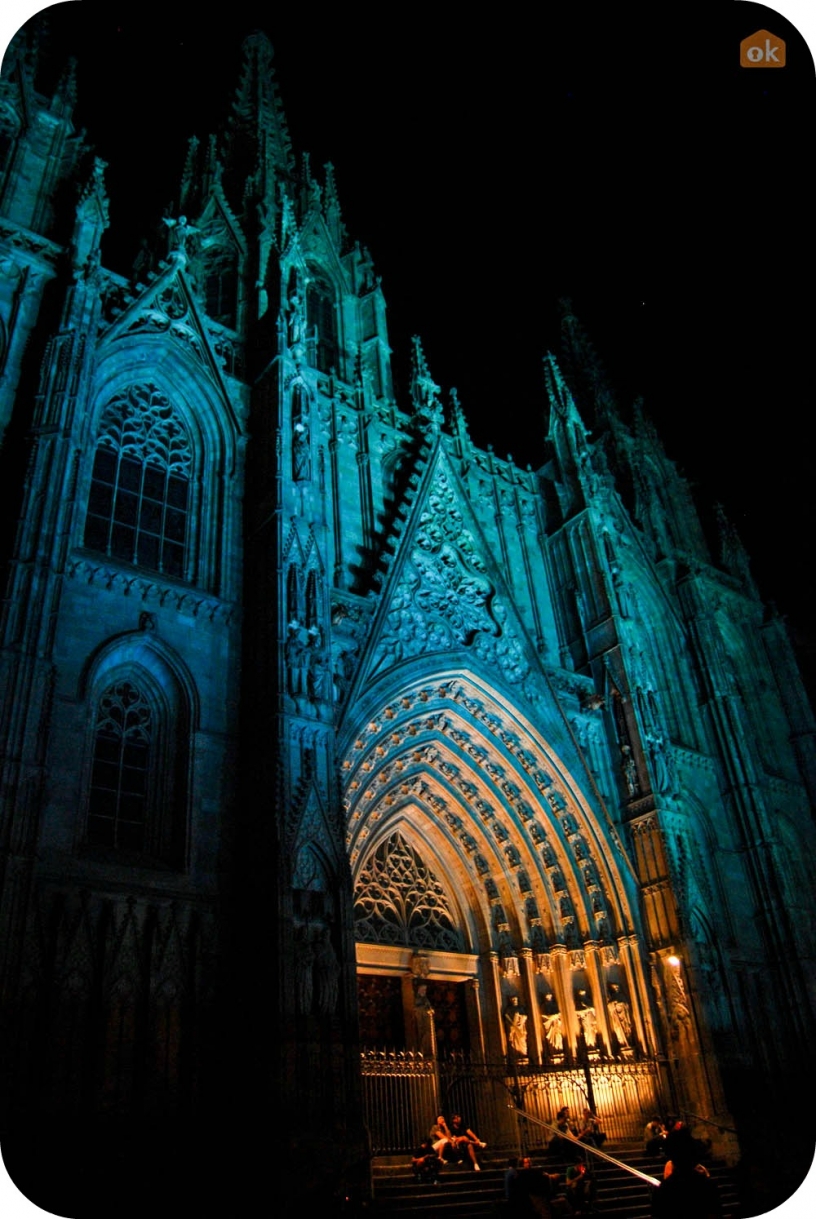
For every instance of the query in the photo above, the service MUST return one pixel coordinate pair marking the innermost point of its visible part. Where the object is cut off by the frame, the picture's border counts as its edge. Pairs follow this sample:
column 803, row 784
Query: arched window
column 312, row 610
column 136, row 808
column 119, row 799
column 292, row 606
column 220, row 280
column 322, row 322
column 139, row 498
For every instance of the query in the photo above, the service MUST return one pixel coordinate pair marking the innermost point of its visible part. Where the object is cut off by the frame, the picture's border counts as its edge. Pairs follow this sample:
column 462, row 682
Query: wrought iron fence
column 403, row 1092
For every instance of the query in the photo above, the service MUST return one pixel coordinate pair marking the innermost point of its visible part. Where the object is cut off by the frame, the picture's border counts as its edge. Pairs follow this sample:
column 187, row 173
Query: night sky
column 492, row 170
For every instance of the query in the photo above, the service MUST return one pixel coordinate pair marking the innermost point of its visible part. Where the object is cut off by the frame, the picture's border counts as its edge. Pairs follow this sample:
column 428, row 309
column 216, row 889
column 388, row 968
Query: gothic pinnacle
column 424, row 390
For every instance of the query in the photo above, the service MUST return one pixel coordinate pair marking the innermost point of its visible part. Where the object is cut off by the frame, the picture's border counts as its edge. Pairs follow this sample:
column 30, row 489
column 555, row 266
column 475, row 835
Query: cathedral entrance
column 492, row 916
column 387, row 1020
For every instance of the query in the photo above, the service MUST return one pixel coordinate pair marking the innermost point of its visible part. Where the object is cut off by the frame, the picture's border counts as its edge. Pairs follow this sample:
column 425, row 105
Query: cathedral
column 349, row 770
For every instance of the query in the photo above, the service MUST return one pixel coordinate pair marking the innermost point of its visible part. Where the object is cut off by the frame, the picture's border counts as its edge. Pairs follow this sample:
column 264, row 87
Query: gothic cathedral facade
column 324, row 729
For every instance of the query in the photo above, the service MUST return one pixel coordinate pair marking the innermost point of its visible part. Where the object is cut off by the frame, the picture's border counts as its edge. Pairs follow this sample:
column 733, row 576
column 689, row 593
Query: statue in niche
column 620, row 1017
column 553, row 1024
column 515, row 1022
column 316, row 668
column 295, row 322
column 343, row 673
column 423, row 1017
column 679, row 1011
column 585, row 1011
column 629, row 770
column 661, row 762
column 297, row 658
column 301, row 457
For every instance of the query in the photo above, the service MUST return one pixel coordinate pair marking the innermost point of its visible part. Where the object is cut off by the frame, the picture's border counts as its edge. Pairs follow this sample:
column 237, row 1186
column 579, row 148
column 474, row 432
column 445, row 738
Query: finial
column 424, row 390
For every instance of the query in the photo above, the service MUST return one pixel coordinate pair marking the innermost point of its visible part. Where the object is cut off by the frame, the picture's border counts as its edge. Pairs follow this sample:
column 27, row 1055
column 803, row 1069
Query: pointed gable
column 445, row 591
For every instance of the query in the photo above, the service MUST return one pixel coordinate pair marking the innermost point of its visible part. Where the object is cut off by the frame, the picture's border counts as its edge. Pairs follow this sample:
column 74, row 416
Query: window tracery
column 139, row 497
column 399, row 900
column 119, row 798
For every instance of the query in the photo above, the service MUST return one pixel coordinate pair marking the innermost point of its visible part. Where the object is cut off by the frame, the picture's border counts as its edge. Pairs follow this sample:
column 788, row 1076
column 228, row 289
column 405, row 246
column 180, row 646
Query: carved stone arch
column 218, row 264
column 141, row 710
column 193, row 408
column 446, row 760
column 292, row 551
column 203, row 403
column 310, row 827
column 146, row 649
column 403, row 895
column 506, row 783
column 324, row 318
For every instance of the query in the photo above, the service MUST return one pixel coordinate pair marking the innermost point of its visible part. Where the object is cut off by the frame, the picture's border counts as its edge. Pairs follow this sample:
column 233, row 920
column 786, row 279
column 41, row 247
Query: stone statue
column 295, row 310
column 629, row 770
column 553, row 1024
column 620, row 1017
column 515, row 1021
column 180, row 232
column 423, row 1017
column 301, row 462
column 585, row 1012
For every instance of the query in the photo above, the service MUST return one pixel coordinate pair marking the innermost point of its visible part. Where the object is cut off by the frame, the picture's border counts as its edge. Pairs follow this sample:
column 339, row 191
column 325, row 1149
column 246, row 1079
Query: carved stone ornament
column 398, row 900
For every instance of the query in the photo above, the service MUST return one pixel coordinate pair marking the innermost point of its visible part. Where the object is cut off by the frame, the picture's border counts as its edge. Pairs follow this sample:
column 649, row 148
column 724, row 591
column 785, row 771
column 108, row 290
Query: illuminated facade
column 311, row 701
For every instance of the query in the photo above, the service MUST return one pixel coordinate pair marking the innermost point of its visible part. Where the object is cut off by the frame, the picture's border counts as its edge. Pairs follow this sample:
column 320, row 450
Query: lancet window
column 322, row 322
column 221, row 285
column 120, row 796
column 139, row 498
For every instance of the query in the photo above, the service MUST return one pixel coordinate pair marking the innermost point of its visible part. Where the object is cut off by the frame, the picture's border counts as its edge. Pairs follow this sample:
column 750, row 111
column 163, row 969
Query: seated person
column 654, row 1137
column 560, row 1146
column 425, row 1163
column 591, row 1130
column 580, row 1189
column 465, row 1140
column 440, row 1137
column 538, row 1192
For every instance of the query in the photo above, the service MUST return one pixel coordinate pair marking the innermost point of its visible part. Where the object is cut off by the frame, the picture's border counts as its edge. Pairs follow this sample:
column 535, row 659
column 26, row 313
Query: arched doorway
column 479, row 863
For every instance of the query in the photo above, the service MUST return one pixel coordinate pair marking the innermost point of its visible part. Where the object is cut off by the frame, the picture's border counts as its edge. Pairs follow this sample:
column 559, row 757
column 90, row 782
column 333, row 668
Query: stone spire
column 458, row 422
column 331, row 204
column 424, row 390
column 65, row 94
column 733, row 555
column 257, row 113
column 584, row 371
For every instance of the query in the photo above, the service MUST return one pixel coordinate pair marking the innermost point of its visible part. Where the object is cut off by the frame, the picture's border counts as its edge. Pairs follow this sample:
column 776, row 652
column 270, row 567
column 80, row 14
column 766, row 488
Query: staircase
column 464, row 1194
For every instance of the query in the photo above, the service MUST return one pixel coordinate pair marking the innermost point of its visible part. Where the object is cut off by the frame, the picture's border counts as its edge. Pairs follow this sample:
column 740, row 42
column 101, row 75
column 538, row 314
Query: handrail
column 708, row 1121
column 596, row 1151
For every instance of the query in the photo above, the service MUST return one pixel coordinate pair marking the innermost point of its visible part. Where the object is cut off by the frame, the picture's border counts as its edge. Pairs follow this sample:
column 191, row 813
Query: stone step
column 462, row 1192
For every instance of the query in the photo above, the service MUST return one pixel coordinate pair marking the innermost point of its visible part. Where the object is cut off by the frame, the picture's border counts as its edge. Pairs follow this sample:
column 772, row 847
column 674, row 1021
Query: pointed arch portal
column 528, row 882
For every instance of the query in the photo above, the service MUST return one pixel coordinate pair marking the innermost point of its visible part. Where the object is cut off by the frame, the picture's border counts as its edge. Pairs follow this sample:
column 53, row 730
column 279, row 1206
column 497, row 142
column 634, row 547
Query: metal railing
column 707, row 1121
column 403, row 1092
column 586, row 1148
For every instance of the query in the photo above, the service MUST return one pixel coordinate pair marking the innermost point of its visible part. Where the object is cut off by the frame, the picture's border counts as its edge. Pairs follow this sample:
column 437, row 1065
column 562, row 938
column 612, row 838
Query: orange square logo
column 762, row 50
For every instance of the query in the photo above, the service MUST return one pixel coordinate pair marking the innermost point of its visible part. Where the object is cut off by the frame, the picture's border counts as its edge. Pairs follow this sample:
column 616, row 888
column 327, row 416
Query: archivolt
column 490, row 799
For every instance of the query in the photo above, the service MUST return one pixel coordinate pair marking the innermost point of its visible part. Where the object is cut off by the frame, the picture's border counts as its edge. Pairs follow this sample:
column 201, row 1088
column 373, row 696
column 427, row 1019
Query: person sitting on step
column 465, row 1140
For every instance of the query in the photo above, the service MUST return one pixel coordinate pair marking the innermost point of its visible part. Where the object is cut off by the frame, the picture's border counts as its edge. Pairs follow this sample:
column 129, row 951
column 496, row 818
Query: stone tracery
column 398, row 899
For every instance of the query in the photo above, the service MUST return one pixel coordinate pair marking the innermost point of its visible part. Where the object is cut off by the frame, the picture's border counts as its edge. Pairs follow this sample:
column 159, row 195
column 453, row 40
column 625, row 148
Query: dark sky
column 494, row 168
